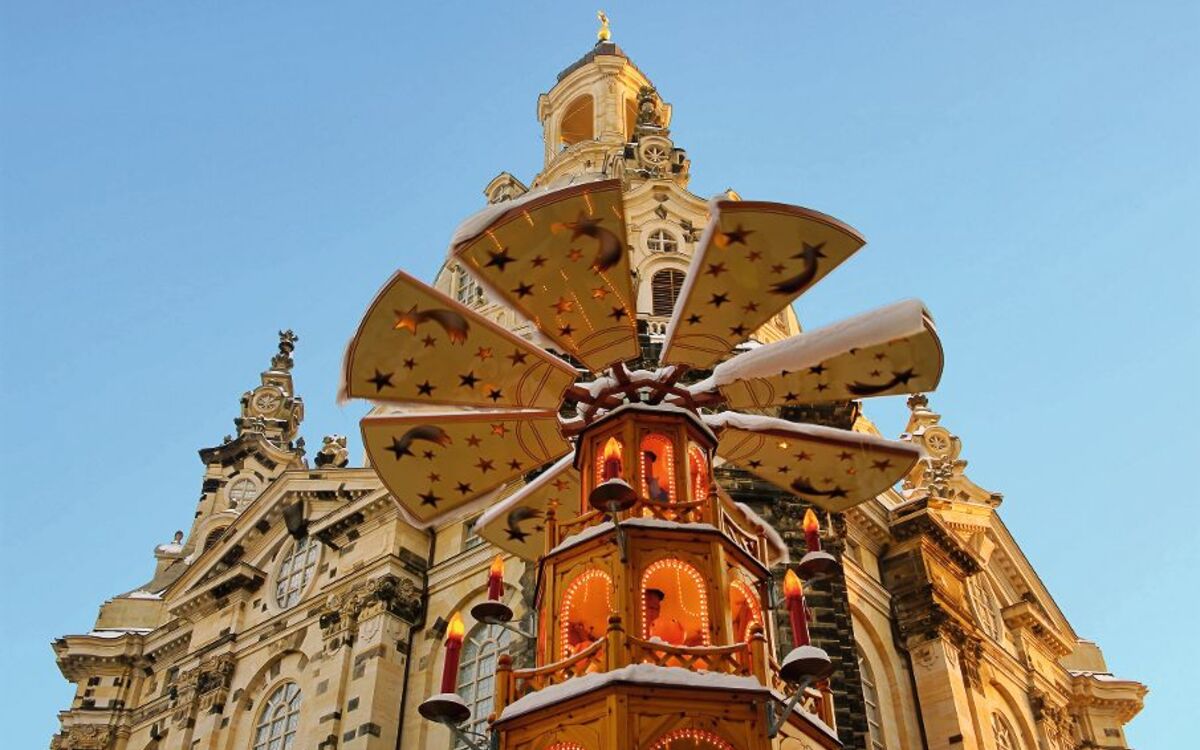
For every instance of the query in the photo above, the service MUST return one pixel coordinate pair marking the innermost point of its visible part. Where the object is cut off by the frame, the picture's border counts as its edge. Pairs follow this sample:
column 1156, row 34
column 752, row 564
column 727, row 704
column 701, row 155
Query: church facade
column 303, row 608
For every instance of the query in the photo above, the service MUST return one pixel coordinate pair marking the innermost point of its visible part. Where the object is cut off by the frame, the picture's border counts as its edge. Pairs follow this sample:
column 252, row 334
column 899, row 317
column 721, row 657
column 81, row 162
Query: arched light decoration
column 691, row 739
column 565, row 746
column 560, row 258
column 595, row 588
column 686, row 599
column 698, row 471
column 656, row 461
column 745, row 609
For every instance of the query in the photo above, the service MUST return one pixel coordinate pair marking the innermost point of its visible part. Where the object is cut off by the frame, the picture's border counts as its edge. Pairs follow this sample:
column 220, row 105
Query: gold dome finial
column 604, row 34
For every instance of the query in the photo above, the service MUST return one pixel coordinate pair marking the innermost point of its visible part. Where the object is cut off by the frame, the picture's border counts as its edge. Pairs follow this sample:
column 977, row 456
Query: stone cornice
column 80, row 656
column 1028, row 616
column 916, row 519
column 210, row 594
column 1104, row 692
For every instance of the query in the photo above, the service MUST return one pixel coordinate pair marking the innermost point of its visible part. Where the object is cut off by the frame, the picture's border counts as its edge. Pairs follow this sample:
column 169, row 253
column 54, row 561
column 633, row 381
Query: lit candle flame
column 792, row 587
column 455, row 630
column 497, row 568
column 810, row 521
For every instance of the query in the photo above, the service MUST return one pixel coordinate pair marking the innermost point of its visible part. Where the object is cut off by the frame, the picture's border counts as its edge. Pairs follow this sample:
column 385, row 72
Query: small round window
column 296, row 571
column 242, row 492
column 662, row 241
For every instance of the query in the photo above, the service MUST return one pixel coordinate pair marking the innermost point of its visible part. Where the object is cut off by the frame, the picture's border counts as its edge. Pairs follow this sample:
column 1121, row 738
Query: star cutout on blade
column 845, row 456
column 574, row 253
column 381, row 380
column 599, row 293
column 736, row 237
column 516, row 535
column 473, row 440
column 904, row 376
column 399, row 447
column 435, row 477
column 499, row 259
column 802, row 456
column 426, row 389
column 719, row 299
column 500, row 429
column 755, row 464
column 693, row 319
column 753, row 256
column 738, row 330
column 427, row 455
column 518, row 357
column 495, row 394
column 538, row 261
column 875, row 373
column 428, row 341
column 882, row 465
column 563, row 306
column 566, row 330
column 784, row 469
column 485, row 465
column 523, row 290
column 514, row 464
column 790, row 397
column 484, row 353
column 777, row 269
column 428, row 498
column 822, row 387
column 468, row 381
column 560, row 484
column 618, row 313
column 817, row 369
column 880, row 356
column 750, row 307
column 810, row 251
column 409, row 364
column 715, row 269
column 463, row 488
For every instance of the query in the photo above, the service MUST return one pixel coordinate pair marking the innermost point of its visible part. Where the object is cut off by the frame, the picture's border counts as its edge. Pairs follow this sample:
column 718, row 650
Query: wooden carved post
column 759, row 664
column 504, row 678
column 551, row 524
column 614, row 647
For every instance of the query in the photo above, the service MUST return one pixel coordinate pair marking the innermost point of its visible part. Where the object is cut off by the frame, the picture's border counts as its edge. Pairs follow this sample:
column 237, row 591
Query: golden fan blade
column 754, row 259
column 434, row 461
column 833, row 469
column 892, row 350
column 561, row 260
column 517, row 524
column 415, row 344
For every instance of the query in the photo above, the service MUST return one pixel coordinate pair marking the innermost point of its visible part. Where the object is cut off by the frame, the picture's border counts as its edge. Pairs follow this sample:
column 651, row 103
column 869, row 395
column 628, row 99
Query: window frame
column 269, row 715
column 308, row 573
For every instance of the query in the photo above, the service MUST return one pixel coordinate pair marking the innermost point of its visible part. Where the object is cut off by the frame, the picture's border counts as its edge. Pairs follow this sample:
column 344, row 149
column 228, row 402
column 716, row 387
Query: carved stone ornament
column 342, row 611
column 333, row 452
column 84, row 737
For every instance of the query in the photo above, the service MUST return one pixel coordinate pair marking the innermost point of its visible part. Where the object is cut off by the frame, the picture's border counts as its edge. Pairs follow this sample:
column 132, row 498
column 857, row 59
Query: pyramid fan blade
column 754, row 259
column 561, row 260
column 517, row 523
column 434, row 461
column 830, row 468
column 892, row 350
column 415, row 344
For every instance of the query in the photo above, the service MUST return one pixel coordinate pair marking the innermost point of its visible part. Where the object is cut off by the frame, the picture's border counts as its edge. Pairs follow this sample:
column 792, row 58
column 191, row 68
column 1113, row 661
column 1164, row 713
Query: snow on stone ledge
column 118, row 632
column 638, row 674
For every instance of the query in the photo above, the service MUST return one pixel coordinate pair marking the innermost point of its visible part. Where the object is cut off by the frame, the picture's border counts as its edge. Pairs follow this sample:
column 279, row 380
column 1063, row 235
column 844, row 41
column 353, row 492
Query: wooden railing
column 513, row 684
column 733, row 659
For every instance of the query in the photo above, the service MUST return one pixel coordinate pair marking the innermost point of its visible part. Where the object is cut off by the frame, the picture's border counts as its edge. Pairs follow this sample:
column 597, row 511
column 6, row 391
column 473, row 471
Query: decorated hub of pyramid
column 653, row 588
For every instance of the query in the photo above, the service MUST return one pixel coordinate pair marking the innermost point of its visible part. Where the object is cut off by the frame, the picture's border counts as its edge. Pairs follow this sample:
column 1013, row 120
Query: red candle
column 454, row 639
column 812, row 537
column 496, row 579
column 793, row 594
column 612, row 460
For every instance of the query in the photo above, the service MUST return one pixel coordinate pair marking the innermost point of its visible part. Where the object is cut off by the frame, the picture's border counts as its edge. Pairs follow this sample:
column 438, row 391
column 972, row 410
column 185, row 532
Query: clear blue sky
column 180, row 180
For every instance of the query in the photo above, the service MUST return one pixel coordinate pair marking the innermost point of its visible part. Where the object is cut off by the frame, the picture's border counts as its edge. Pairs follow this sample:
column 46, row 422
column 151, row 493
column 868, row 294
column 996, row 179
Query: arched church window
column 691, row 739
column 583, row 615
column 477, row 673
column 1002, row 732
column 578, row 121
column 662, row 241
column 296, row 571
column 698, row 471
column 744, row 609
column 871, row 701
column 466, row 288
column 276, row 727
column 657, row 468
column 983, row 604
column 214, row 536
column 674, row 605
column 664, row 290
column 242, row 492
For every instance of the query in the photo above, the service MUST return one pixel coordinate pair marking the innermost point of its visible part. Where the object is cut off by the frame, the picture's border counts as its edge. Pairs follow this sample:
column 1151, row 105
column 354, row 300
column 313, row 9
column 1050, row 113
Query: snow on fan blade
column 417, row 345
column 436, row 461
column 561, row 260
column 888, row 351
column 517, row 524
column 754, row 259
column 831, row 468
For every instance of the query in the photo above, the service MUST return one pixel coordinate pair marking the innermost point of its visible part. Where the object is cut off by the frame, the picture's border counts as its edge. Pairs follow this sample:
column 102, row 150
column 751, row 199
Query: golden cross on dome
column 604, row 34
